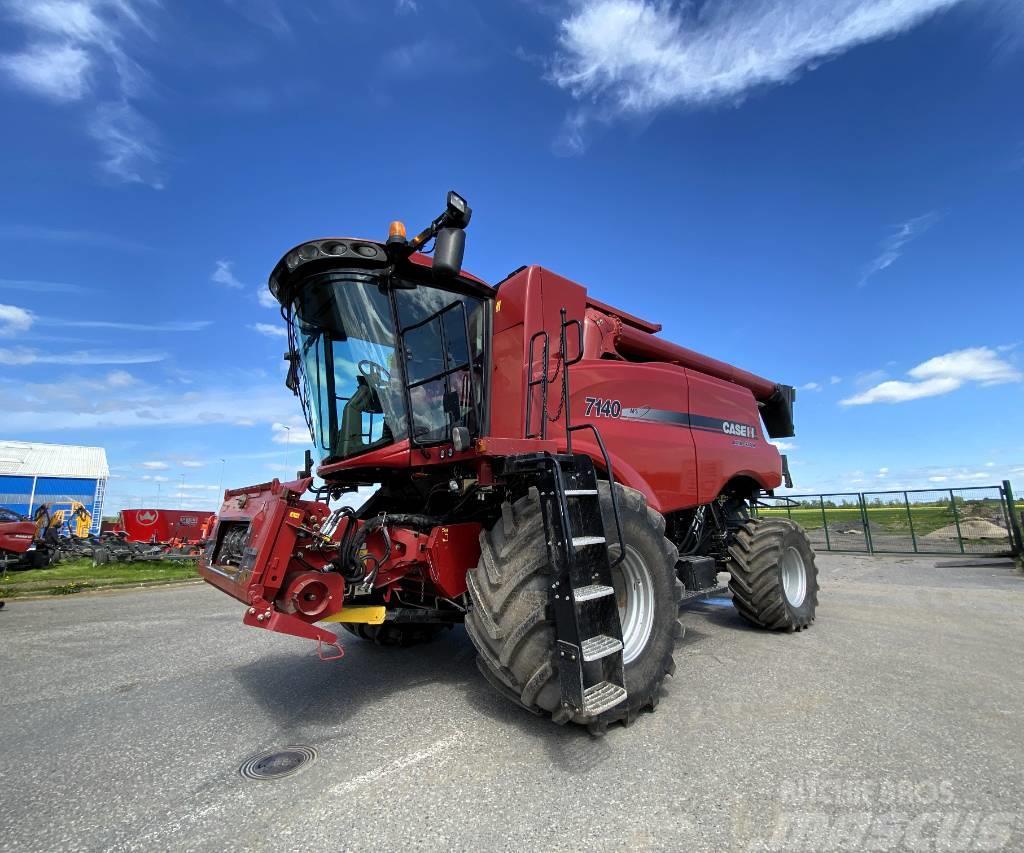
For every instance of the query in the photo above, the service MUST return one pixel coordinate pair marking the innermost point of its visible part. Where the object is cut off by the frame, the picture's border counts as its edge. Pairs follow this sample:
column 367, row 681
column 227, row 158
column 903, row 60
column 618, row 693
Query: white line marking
column 400, row 763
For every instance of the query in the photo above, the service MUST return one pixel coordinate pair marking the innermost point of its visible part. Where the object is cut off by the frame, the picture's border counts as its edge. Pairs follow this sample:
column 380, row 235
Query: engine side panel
column 729, row 437
column 641, row 411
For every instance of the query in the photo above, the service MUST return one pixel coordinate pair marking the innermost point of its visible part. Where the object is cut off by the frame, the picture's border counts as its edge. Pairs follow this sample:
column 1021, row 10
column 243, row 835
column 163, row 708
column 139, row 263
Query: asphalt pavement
column 894, row 723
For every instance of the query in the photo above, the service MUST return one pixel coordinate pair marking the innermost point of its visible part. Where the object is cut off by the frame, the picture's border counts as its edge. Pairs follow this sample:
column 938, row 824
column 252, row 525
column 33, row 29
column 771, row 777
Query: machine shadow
column 299, row 690
column 724, row 615
column 310, row 699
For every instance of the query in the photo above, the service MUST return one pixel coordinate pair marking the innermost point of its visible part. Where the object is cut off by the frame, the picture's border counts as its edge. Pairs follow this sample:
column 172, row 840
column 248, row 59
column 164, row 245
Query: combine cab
column 551, row 473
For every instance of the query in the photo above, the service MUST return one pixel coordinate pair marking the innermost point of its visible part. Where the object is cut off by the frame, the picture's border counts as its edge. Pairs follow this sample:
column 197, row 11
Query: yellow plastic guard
column 366, row 613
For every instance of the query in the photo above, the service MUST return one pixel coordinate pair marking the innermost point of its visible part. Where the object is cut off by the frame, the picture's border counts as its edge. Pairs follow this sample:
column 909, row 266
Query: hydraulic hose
column 347, row 562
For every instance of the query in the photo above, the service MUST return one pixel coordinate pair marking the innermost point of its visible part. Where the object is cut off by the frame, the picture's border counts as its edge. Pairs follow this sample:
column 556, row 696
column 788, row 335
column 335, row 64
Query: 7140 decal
column 599, row 407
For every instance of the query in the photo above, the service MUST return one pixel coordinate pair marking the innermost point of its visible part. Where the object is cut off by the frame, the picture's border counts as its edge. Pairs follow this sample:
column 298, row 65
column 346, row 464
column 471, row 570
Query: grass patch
column 73, row 576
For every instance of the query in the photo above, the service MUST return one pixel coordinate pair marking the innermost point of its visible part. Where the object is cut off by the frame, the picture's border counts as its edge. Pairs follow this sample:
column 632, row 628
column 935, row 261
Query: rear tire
column 774, row 579
column 510, row 624
column 396, row 634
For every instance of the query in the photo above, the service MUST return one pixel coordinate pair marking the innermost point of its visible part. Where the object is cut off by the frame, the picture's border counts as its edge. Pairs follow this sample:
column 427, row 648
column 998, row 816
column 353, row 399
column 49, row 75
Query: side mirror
column 449, row 247
column 460, row 439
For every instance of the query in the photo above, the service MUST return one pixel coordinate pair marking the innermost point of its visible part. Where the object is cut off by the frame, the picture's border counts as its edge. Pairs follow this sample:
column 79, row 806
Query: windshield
column 345, row 337
column 354, row 389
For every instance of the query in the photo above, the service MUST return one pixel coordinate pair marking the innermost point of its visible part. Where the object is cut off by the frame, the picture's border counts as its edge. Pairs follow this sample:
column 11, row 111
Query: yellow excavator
column 73, row 514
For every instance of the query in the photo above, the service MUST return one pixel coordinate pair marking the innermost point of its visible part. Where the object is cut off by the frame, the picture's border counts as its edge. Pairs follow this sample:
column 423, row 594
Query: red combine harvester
column 551, row 473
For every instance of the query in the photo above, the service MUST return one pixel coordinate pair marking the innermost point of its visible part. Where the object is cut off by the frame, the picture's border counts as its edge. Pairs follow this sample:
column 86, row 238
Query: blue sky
column 827, row 192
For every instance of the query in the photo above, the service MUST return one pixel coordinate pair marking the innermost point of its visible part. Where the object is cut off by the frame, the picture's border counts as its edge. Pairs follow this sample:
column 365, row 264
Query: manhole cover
column 277, row 763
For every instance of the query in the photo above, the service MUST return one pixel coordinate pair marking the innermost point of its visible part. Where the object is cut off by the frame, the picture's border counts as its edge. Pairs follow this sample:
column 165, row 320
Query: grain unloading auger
column 551, row 473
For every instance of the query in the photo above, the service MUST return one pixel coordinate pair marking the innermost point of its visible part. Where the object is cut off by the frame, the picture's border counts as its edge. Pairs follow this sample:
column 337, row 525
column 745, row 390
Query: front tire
column 513, row 630
column 774, row 578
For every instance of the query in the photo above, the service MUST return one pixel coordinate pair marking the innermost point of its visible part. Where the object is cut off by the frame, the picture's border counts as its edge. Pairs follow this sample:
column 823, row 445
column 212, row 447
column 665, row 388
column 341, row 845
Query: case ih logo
column 741, row 430
column 147, row 517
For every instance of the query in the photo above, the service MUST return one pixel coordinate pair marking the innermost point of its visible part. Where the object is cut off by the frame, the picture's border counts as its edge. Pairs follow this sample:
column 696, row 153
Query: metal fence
column 974, row 520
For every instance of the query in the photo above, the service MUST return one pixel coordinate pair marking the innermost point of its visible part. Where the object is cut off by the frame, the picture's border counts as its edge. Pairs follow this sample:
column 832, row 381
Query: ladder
column 588, row 651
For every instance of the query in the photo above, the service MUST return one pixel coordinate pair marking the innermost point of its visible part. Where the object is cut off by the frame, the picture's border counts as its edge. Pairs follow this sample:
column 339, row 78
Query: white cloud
column 295, row 432
column 893, row 245
column 895, row 391
column 270, row 330
column 406, row 7
column 192, row 463
column 633, row 57
column 74, row 406
column 75, row 20
column 810, row 386
column 979, row 364
column 222, row 274
column 23, row 355
column 835, row 380
column 264, row 13
column 128, row 144
column 120, row 379
column 870, row 377
column 14, row 320
column 40, row 286
column 155, row 466
column 783, row 445
column 170, row 326
column 266, row 298
column 941, row 375
column 75, row 51
column 937, row 479
column 97, row 28
column 76, row 237
column 56, row 71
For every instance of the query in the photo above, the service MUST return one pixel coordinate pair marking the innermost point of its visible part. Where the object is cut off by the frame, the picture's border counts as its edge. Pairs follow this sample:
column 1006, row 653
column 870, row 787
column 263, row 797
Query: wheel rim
column 794, row 576
column 634, row 594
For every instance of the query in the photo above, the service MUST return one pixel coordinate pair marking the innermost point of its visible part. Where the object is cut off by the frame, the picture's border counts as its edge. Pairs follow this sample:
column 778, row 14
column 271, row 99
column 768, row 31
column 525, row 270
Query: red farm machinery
column 549, row 472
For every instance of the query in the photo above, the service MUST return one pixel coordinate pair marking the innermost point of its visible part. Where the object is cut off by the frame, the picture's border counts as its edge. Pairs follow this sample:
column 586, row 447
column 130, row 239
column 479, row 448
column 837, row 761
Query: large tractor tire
column 404, row 634
column 510, row 624
column 774, row 579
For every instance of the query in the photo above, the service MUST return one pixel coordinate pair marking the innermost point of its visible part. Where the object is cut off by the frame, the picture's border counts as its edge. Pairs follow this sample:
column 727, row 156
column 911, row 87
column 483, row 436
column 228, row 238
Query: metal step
column 600, row 647
column 601, row 697
column 574, row 493
column 581, row 541
column 594, row 590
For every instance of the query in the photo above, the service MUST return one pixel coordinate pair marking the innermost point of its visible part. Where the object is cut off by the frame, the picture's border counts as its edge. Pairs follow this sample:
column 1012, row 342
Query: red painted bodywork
column 679, row 427
column 280, row 526
column 16, row 537
column 162, row 525
column 675, row 467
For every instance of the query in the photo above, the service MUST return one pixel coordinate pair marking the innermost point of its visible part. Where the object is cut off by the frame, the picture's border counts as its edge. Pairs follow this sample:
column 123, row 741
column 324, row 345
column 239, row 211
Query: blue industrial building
column 32, row 474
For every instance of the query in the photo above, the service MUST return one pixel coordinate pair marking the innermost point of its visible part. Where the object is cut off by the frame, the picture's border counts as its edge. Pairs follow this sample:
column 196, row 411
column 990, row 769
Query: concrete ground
column 894, row 723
